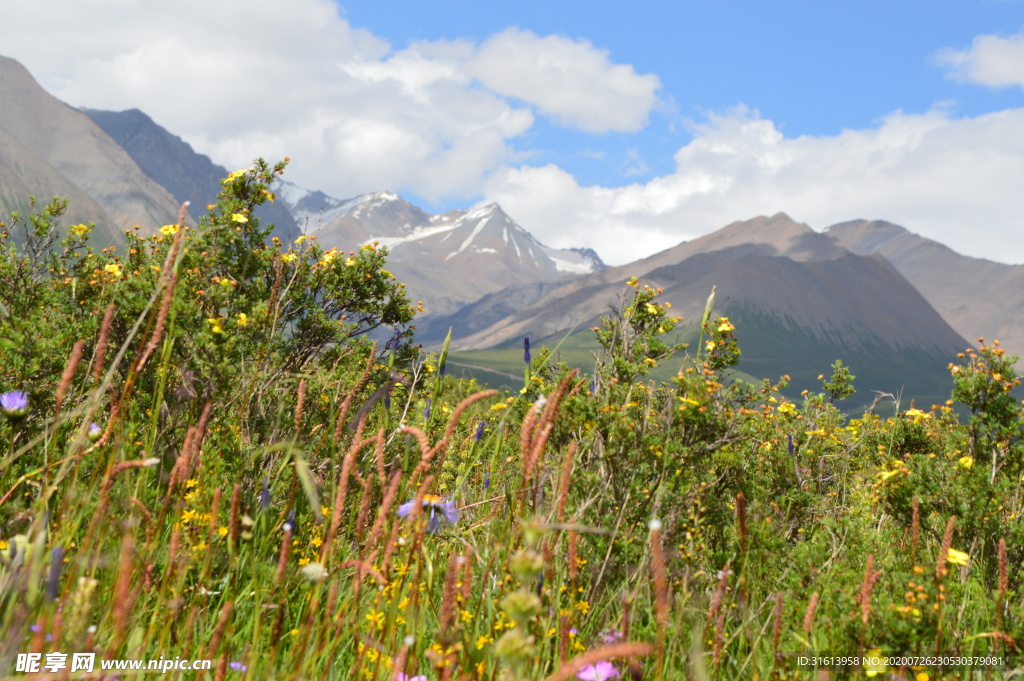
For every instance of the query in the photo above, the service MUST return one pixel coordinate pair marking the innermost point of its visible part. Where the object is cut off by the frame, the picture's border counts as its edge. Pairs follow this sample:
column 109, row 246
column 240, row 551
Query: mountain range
column 893, row 305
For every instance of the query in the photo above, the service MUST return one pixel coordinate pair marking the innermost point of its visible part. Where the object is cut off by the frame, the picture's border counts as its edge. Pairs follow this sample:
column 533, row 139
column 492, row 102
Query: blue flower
column 480, row 431
column 14, row 403
column 526, row 349
column 439, row 512
column 237, row 666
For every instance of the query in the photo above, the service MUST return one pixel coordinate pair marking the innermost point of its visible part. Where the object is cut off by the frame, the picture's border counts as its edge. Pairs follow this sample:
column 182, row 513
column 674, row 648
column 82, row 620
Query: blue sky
column 627, row 129
column 814, row 68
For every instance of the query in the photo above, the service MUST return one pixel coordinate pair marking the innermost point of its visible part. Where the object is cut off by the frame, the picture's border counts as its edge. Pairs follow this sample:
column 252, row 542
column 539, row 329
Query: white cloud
column 956, row 180
column 567, row 79
column 990, row 60
column 239, row 78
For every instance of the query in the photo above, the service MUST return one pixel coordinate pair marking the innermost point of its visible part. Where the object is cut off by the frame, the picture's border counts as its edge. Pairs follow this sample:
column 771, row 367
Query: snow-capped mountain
column 446, row 260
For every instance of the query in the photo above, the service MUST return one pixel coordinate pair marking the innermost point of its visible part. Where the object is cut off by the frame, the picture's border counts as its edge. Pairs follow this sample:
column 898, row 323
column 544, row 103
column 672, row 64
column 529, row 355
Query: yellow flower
column 243, row 320
column 498, row 407
column 874, row 663
column 215, row 324
column 653, row 309
column 329, row 256
column 965, row 462
column 709, row 346
column 239, row 217
column 917, row 415
column 288, row 257
column 376, row 619
column 222, row 531
column 80, row 230
column 725, row 326
column 957, row 557
column 301, row 239
column 114, row 269
column 169, row 230
column 787, row 408
column 631, row 282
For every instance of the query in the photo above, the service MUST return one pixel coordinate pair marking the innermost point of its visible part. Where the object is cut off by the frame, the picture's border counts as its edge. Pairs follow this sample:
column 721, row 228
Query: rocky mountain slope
column 977, row 297
column 186, row 174
column 447, row 260
column 798, row 298
column 47, row 148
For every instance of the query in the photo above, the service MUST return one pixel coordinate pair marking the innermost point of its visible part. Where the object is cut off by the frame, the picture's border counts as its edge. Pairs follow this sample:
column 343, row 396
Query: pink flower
column 602, row 671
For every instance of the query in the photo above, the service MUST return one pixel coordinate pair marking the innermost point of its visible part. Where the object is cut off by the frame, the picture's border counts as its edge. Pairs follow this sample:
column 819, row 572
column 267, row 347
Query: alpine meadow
column 221, row 445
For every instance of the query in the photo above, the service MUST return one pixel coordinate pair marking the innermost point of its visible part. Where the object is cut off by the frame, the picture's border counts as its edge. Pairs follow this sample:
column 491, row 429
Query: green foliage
column 263, row 489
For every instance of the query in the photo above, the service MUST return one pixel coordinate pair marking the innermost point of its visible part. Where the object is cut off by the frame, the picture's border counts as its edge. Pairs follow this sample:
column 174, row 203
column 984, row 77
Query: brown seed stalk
column 809, row 615
column 101, row 344
column 947, row 541
column 777, row 621
column 69, row 374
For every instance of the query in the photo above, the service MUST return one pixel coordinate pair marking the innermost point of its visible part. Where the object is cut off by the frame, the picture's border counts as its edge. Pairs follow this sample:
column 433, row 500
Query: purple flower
column 94, row 432
column 265, row 495
column 402, row 677
column 790, row 446
column 480, row 431
column 526, row 349
column 426, row 412
column 610, row 636
column 56, row 565
column 439, row 512
column 602, row 671
column 237, row 666
column 14, row 403
column 393, row 343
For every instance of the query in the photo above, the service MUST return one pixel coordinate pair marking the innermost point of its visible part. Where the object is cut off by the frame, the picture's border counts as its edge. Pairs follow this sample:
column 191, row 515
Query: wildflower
column 94, row 432
column 402, row 677
column 917, row 415
column 439, row 512
column 243, row 320
column 265, row 494
column 299, row 241
column 874, row 663
column 526, row 349
column 237, row 666
column 288, row 257
column 426, row 412
column 215, row 324
column 314, row 572
column 957, row 557
column 725, row 326
column 601, row 671
column 114, row 270
column 14, row 403
column 169, row 230
column 56, row 564
column 631, row 282
column 239, row 217
column 965, row 461
column 480, row 431
column 80, row 230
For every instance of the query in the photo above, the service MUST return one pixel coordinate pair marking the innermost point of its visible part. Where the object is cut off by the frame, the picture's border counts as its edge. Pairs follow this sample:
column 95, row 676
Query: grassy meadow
column 204, row 457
